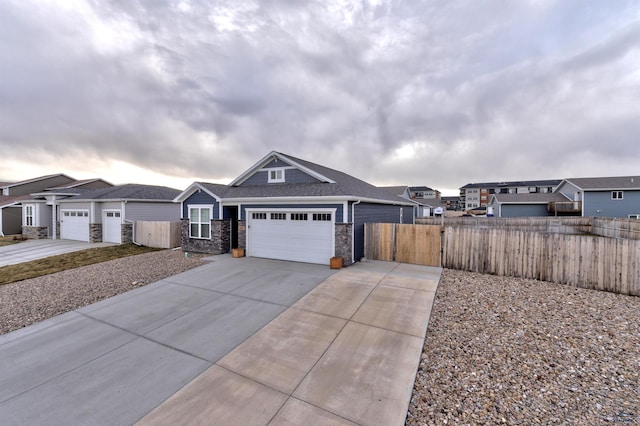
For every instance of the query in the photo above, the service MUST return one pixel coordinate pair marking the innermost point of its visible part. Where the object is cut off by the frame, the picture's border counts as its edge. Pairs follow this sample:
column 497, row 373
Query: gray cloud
column 419, row 92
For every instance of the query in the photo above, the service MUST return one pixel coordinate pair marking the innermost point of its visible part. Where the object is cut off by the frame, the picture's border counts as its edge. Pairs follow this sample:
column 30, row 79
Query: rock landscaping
column 30, row 301
column 503, row 350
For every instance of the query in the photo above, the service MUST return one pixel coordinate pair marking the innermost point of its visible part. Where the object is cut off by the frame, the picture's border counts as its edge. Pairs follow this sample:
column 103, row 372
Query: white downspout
column 353, row 230
column 54, row 223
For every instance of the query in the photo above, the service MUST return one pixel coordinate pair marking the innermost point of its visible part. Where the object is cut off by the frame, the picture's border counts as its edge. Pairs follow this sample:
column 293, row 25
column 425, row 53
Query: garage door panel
column 74, row 225
column 297, row 240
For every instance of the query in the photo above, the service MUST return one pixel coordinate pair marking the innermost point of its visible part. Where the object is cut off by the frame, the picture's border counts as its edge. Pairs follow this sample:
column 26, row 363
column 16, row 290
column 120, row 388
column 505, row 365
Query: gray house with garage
column 287, row 208
column 97, row 215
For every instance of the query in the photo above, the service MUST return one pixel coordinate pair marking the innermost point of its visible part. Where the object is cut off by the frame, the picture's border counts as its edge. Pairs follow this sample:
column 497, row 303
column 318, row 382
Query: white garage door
column 111, row 226
column 74, row 225
column 300, row 236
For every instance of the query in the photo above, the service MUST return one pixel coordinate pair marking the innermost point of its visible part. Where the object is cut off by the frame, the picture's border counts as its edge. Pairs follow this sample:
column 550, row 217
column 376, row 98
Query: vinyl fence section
column 158, row 234
column 592, row 262
column 417, row 244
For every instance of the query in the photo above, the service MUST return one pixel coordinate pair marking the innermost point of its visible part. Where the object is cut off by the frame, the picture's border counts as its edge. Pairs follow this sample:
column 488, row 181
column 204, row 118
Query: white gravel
column 26, row 302
column 502, row 350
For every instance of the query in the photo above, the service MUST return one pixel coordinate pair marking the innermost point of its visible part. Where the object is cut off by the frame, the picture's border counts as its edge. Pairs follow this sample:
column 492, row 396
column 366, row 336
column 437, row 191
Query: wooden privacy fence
column 158, row 234
column 418, row 244
column 584, row 261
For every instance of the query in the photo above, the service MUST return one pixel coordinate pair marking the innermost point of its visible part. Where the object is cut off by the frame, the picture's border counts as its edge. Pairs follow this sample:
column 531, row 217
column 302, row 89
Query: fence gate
column 418, row 244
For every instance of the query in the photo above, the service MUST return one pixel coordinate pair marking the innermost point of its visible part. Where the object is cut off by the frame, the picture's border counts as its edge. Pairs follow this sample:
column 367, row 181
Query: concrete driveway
column 29, row 250
column 237, row 341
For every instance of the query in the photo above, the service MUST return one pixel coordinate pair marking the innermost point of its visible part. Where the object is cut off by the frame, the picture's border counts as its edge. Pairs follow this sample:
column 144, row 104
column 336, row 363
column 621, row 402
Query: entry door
column 111, row 226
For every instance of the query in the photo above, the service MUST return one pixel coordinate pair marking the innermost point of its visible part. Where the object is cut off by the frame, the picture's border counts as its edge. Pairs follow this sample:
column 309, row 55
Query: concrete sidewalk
column 345, row 354
column 237, row 341
column 27, row 251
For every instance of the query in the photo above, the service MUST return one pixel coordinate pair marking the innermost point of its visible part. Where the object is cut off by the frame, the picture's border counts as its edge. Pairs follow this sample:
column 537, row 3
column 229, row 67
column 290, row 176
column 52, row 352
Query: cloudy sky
column 437, row 93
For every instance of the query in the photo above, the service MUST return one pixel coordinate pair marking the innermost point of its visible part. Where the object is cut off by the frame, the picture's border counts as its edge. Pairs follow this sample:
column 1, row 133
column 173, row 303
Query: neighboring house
column 425, row 198
column 97, row 215
column 423, row 192
column 522, row 205
column 13, row 193
column 600, row 196
column 474, row 195
column 287, row 208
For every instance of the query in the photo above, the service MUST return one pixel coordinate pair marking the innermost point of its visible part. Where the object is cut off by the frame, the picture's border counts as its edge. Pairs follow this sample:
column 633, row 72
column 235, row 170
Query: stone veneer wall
column 343, row 242
column 242, row 234
column 126, row 233
column 218, row 244
column 95, row 232
column 35, row 232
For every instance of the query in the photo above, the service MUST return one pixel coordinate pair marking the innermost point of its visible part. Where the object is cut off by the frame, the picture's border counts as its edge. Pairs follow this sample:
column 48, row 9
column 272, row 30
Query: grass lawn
column 10, row 239
column 62, row 262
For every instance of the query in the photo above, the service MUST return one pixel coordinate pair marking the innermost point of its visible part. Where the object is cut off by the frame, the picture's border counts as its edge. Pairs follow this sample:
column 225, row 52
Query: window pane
column 204, row 215
column 205, row 230
column 194, row 230
column 193, row 214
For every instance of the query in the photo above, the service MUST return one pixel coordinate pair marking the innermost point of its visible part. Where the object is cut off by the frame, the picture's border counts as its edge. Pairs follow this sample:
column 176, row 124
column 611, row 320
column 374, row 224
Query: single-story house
column 12, row 194
column 602, row 196
column 287, row 208
column 522, row 205
column 97, row 215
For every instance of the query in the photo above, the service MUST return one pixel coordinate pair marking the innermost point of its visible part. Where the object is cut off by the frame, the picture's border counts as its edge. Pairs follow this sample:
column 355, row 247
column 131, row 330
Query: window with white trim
column 634, row 216
column 322, row 217
column 299, row 216
column 200, row 222
column 617, row 195
column 259, row 216
column 278, row 216
column 28, row 215
column 276, row 175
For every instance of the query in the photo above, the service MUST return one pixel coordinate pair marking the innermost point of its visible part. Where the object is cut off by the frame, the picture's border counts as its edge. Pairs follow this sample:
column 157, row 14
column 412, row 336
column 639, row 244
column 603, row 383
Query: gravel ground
column 30, row 301
column 513, row 351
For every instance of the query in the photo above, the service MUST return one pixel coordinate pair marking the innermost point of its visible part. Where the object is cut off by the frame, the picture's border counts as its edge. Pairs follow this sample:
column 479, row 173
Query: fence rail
column 585, row 261
column 159, row 234
column 570, row 251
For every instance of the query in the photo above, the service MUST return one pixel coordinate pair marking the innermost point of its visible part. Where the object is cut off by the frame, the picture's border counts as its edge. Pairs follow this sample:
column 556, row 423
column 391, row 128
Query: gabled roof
column 11, row 200
column 291, row 160
column 23, row 182
column 532, row 198
column 78, row 183
column 333, row 183
column 606, row 183
column 127, row 192
column 216, row 190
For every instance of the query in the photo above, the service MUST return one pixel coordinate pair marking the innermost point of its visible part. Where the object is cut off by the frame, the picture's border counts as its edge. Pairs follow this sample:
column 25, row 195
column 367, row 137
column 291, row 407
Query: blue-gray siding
column 372, row 213
column 599, row 203
column 522, row 210
column 200, row 198
column 152, row 211
column 290, row 176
